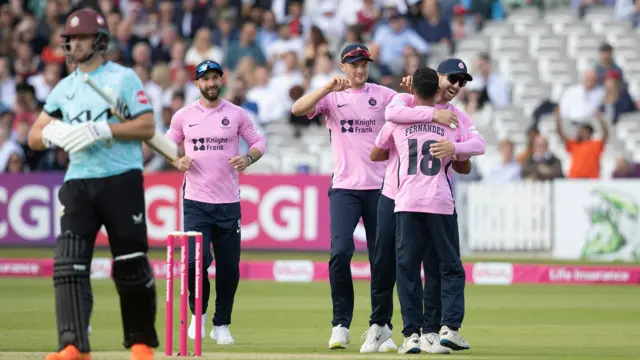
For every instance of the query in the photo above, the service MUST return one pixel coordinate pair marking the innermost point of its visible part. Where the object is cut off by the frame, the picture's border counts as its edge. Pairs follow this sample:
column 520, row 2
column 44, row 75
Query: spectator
column 330, row 25
column 268, row 33
column 392, row 40
column 281, row 84
column 16, row 164
column 509, row 168
column 161, row 51
column 7, row 147
column 282, row 45
column 628, row 10
column 44, row 82
column 432, row 27
column 541, row 164
column 203, row 49
column 53, row 53
column 460, row 27
column 626, row 169
column 141, row 55
column 324, row 70
column 270, row 108
column 617, row 99
column 7, row 83
column 368, row 15
column 298, row 24
column 189, row 19
column 487, row 86
column 585, row 151
column 580, row 102
column 244, row 46
column 607, row 64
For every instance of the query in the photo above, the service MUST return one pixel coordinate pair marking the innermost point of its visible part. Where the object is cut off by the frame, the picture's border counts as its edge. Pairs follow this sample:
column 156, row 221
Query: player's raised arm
column 307, row 104
column 402, row 110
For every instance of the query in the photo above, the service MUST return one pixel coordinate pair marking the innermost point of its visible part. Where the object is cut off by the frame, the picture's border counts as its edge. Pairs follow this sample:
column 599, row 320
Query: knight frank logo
column 209, row 143
column 197, row 147
column 357, row 126
column 347, row 125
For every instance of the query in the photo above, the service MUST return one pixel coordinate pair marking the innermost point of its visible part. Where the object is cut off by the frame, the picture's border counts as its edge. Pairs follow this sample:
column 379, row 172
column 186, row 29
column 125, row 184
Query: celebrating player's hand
column 184, row 163
column 86, row 134
column 442, row 148
column 55, row 133
column 407, row 82
column 239, row 162
column 446, row 118
column 338, row 83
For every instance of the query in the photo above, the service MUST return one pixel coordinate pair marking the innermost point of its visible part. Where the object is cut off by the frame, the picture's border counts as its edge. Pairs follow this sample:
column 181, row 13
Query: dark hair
column 588, row 127
column 425, row 83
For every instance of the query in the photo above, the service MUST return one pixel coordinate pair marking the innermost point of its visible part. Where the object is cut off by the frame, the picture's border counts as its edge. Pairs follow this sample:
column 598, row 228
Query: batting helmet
column 87, row 22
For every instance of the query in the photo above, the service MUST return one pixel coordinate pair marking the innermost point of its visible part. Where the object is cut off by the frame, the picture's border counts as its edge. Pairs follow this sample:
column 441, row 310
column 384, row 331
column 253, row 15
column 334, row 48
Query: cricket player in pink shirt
column 468, row 143
column 210, row 129
column 354, row 112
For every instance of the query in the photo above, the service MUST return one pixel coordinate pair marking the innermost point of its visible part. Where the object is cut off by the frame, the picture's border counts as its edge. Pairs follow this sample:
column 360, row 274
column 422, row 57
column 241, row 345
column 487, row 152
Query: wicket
column 183, row 238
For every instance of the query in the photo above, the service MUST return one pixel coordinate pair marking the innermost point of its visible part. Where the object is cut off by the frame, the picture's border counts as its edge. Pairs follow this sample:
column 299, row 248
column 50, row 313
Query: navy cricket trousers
column 432, row 238
column 346, row 207
column 383, row 267
column 220, row 228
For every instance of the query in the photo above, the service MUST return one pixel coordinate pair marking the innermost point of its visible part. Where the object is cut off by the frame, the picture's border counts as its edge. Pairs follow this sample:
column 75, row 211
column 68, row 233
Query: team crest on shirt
column 372, row 102
column 225, row 122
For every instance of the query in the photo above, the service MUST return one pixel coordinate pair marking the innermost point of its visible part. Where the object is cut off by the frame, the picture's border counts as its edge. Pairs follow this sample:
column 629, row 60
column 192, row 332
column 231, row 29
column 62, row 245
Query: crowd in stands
column 274, row 51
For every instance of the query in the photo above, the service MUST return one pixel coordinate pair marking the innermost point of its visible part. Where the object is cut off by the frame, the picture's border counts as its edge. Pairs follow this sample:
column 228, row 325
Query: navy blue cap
column 355, row 52
column 454, row 66
column 208, row 65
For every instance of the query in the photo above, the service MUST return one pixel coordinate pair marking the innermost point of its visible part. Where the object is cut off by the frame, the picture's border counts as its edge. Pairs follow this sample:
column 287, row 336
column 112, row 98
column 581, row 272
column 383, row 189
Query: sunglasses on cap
column 207, row 66
column 453, row 79
column 357, row 53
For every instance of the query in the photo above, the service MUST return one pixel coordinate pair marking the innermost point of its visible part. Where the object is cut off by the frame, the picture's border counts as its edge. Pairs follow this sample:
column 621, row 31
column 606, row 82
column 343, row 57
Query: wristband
column 250, row 159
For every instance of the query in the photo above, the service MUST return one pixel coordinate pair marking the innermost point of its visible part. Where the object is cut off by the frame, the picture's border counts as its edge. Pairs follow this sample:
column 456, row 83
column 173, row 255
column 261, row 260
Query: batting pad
column 71, row 271
column 136, row 286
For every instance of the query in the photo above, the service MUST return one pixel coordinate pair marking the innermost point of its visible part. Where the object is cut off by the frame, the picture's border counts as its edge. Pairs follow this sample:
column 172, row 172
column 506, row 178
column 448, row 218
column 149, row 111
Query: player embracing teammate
column 422, row 154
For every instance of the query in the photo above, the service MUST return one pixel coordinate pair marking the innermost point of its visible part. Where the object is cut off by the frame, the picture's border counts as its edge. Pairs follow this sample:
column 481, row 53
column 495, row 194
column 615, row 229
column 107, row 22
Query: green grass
column 160, row 254
column 292, row 321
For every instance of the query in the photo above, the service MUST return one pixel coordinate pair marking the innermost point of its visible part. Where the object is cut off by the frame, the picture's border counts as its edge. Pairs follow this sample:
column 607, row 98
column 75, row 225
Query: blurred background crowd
column 546, row 72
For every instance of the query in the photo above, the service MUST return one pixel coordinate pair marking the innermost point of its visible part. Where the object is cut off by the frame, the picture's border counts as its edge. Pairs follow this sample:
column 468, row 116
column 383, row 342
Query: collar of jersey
column 365, row 89
column 94, row 71
column 206, row 109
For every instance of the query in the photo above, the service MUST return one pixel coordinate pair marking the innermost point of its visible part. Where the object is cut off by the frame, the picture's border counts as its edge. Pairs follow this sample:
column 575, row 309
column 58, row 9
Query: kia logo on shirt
column 357, row 126
column 209, row 143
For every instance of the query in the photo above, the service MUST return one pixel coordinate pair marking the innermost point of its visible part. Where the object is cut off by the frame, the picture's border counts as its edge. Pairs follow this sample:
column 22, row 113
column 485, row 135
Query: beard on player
column 211, row 93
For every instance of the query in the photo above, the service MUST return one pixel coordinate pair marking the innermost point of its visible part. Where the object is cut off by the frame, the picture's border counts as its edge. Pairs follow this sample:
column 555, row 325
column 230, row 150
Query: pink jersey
column 354, row 118
column 402, row 110
column 423, row 183
column 210, row 137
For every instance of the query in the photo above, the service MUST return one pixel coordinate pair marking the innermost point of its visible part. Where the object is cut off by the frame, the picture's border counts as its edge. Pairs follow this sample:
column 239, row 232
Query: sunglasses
column 209, row 65
column 357, row 53
column 453, row 79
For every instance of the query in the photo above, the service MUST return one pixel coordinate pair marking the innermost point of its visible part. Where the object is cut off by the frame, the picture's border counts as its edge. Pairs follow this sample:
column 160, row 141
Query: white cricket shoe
column 89, row 329
column 411, row 345
column 192, row 327
column 374, row 337
column 452, row 340
column 388, row 346
column 222, row 335
column 340, row 338
column 430, row 343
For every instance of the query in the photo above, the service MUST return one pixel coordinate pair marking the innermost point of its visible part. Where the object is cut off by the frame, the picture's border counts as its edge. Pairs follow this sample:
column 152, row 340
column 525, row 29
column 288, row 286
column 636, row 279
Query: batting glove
column 86, row 134
column 54, row 133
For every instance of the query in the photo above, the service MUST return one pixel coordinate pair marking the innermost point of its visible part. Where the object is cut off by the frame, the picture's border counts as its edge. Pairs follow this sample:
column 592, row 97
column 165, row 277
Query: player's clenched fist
column 446, row 118
column 239, row 163
column 183, row 163
column 338, row 83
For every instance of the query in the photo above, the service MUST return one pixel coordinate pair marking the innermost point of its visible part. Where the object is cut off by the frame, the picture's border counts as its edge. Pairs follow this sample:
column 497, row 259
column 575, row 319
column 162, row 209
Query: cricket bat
column 158, row 142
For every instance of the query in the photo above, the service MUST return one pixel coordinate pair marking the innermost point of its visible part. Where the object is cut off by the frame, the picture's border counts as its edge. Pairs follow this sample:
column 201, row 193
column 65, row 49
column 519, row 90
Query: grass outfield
column 160, row 254
column 292, row 321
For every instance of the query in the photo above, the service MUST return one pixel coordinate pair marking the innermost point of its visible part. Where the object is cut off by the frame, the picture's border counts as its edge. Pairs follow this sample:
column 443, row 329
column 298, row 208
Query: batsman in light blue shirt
column 103, row 187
